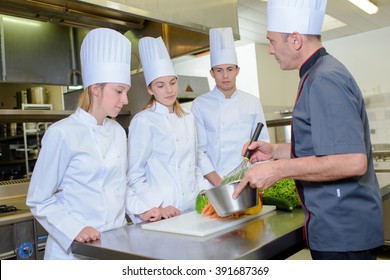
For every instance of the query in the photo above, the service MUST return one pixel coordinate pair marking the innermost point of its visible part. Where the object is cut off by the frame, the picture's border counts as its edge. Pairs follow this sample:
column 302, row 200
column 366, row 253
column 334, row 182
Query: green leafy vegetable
column 285, row 189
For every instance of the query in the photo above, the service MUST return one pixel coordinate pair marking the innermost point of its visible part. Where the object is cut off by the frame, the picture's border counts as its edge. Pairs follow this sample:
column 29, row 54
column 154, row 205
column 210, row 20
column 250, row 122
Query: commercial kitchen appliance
column 22, row 237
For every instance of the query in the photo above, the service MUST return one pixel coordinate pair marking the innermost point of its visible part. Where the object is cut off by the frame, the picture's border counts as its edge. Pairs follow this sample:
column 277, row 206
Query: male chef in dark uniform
column 330, row 154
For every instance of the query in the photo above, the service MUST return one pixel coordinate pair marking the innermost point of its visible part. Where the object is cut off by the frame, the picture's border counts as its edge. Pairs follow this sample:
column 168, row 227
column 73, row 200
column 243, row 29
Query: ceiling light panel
column 365, row 5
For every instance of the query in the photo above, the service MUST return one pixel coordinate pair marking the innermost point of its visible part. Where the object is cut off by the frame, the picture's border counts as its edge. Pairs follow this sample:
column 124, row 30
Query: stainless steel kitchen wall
column 33, row 51
column 183, row 25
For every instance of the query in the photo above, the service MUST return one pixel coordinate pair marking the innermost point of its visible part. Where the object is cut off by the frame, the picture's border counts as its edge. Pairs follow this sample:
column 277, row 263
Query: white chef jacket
column 224, row 126
column 79, row 180
column 162, row 159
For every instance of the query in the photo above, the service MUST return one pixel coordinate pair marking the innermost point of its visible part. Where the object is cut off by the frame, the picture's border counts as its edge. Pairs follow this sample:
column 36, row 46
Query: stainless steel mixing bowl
column 221, row 199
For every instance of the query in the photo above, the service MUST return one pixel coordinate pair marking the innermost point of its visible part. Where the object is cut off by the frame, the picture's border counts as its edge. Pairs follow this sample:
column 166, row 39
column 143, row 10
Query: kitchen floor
column 384, row 254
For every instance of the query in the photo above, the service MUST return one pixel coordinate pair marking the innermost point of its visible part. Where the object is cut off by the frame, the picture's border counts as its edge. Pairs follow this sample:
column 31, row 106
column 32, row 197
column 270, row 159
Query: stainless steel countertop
column 15, row 195
column 260, row 238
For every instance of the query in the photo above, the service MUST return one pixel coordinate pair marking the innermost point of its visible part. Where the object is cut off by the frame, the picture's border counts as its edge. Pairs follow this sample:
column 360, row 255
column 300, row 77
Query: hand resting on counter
column 88, row 234
column 158, row 213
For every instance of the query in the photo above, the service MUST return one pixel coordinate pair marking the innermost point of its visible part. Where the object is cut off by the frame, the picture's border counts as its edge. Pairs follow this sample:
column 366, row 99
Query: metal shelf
column 11, row 115
column 18, row 115
column 33, row 115
column 279, row 122
column 16, row 161
column 10, row 138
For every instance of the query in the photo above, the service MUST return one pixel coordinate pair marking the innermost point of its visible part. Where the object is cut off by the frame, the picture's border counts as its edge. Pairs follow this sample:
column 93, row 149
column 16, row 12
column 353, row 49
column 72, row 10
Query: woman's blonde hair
column 179, row 111
column 85, row 100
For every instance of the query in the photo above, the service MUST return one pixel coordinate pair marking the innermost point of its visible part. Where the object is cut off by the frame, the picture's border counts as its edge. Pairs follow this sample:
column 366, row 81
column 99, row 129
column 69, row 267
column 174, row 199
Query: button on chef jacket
column 162, row 161
column 86, row 164
column 224, row 126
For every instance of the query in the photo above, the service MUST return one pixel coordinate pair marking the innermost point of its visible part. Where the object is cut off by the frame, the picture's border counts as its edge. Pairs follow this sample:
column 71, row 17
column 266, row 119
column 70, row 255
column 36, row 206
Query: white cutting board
column 196, row 224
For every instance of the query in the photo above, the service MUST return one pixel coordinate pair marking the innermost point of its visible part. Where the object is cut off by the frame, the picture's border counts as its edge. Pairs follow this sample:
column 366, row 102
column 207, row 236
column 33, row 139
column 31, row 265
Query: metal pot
column 37, row 95
column 13, row 129
column 21, row 98
column 31, row 127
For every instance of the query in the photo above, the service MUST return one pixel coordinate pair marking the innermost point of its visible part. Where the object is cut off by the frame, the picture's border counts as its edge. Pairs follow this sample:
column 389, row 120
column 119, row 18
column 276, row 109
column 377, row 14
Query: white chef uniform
column 162, row 160
column 225, row 125
column 162, row 146
column 79, row 178
column 88, row 167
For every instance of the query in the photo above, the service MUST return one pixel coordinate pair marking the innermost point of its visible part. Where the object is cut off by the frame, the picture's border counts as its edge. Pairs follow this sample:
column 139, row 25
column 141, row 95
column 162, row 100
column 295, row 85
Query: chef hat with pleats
column 155, row 59
column 105, row 57
column 303, row 16
column 222, row 50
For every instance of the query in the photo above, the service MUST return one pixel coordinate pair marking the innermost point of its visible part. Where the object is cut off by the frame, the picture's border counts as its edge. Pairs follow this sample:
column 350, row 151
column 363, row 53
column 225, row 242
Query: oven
column 22, row 237
column 18, row 241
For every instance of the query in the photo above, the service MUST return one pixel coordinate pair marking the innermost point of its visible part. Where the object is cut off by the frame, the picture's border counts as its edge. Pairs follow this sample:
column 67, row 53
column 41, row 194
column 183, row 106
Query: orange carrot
column 215, row 216
column 207, row 207
column 209, row 211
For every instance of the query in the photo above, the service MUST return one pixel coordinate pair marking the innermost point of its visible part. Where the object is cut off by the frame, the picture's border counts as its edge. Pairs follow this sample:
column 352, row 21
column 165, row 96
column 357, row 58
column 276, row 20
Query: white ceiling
column 253, row 22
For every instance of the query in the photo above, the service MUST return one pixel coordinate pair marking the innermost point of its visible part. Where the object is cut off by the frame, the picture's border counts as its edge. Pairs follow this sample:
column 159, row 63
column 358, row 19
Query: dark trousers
column 358, row 255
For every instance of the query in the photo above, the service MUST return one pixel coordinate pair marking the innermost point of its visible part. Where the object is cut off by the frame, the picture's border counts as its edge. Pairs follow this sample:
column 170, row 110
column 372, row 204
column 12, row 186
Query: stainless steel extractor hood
column 72, row 13
column 184, row 33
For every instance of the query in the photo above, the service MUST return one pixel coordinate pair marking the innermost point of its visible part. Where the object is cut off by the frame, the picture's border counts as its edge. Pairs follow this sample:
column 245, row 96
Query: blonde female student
column 78, row 185
column 163, row 175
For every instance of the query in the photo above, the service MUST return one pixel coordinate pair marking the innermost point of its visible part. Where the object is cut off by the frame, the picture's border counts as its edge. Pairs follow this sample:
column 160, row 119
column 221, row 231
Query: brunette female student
column 163, row 175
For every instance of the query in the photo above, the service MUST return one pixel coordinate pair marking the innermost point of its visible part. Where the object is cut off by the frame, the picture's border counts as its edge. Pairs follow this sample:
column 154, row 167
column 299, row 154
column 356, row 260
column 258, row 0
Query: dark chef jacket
column 329, row 118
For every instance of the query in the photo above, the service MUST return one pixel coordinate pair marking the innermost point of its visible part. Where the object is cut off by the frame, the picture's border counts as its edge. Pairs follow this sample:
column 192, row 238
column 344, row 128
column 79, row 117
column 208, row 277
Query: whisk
column 239, row 172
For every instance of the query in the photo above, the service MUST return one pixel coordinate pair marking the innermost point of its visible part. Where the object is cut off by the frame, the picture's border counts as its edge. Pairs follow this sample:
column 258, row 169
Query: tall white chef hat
column 222, row 50
column 303, row 16
column 155, row 59
column 105, row 57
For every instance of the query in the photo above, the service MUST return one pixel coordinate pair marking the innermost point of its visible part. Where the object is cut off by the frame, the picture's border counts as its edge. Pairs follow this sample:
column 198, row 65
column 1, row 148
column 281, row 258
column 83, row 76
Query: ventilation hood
column 185, row 33
column 71, row 13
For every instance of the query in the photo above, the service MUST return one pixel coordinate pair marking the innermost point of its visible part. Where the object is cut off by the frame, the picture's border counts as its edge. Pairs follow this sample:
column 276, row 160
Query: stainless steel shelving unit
column 11, row 115
column 31, row 113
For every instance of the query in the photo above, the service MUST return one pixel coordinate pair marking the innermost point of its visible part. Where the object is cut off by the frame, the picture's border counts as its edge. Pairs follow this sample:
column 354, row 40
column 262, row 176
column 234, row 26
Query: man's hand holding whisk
column 263, row 175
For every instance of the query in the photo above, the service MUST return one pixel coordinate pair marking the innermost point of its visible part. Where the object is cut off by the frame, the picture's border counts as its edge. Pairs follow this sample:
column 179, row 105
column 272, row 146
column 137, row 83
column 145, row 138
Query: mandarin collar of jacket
column 311, row 61
column 87, row 117
column 159, row 108
column 216, row 92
